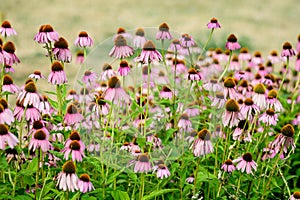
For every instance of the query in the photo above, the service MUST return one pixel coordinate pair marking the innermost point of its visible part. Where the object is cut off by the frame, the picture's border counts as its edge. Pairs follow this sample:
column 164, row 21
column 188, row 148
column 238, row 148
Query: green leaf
column 53, row 103
column 120, row 195
column 33, row 164
column 141, row 141
column 159, row 193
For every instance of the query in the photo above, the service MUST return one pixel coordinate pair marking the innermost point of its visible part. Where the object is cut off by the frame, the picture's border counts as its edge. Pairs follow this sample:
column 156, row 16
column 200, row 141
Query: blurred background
column 262, row 25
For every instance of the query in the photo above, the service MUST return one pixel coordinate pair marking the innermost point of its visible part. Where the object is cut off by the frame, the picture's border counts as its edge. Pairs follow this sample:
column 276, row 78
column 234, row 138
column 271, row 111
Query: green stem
column 238, row 187
column 37, row 173
column 285, row 73
column 142, row 186
column 196, row 176
column 174, row 89
column 205, row 45
column 226, row 66
column 59, row 99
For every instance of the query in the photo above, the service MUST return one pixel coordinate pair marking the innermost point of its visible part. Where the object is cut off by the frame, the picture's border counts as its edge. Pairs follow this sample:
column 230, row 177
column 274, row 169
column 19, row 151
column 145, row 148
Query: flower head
column 287, row 50
column 84, row 183
column 121, row 49
column 6, row 29
column 295, row 196
column 228, row 166
column 149, row 54
column 39, row 140
column 67, row 179
column 163, row 32
column 143, row 164
column 57, row 75
column 213, row 24
column 139, row 40
column 72, row 116
column 83, row 40
column 8, row 84
column 124, row 68
column 61, row 51
column 232, row 43
column 246, row 163
column 46, row 34
column 7, row 137
column 202, row 145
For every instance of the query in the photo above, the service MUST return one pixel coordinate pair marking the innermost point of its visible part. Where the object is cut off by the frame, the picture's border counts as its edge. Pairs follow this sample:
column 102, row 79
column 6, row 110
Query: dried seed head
column 114, row 82
column 232, row 106
column 3, row 129
column 164, row 27
column 69, row 167
column 231, row 38
column 39, row 135
column 74, row 145
column 6, row 24
column 57, row 67
column 260, row 89
column 229, row 82
column 83, row 34
column 7, row 80
column 247, row 157
column 61, row 43
column 288, row 130
column 287, row 46
column 9, row 47
column 85, row 178
column 74, row 135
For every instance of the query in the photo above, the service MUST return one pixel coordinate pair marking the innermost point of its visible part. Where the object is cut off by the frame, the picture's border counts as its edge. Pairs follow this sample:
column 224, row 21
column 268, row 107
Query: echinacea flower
column 273, row 57
column 244, row 55
column 36, row 75
column 190, row 179
column 124, row 68
column 232, row 115
column 38, row 125
column 163, row 32
column 162, row 171
column 84, row 183
column 241, row 132
column 218, row 100
column 39, row 140
column 8, row 85
column 202, row 144
column 232, row 43
column 139, row 39
column 212, row 85
column 121, row 49
column 142, row 164
column 213, row 24
column 80, row 57
column 61, row 51
column 246, row 163
column 67, row 180
column 89, row 78
column 149, row 54
column 287, row 50
column 249, row 109
column 285, row 139
column 230, row 88
column 295, row 196
column 269, row 117
column 184, row 122
column 115, row 93
column 72, row 116
column 175, row 45
column 57, row 75
column 6, row 29
column 193, row 75
column 83, row 40
column 273, row 102
column 187, row 41
column 7, row 138
column 166, row 93
column 121, row 31
column 75, row 149
column 10, row 49
column 46, row 34
column 228, row 166
column 259, row 96
column 29, row 96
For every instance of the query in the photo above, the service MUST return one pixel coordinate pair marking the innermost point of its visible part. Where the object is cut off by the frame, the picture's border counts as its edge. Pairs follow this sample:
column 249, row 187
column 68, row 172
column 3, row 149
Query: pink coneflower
column 257, row 59
column 273, row 57
column 297, row 64
column 284, row 139
column 295, row 195
column 84, row 184
column 36, row 75
column 29, row 96
column 287, row 50
column 74, row 135
column 193, row 75
column 269, row 80
column 229, row 88
column 57, row 75
column 212, row 86
column 190, row 179
column 67, row 179
column 244, row 55
column 115, row 93
column 175, row 45
column 184, row 122
column 218, row 133
column 273, row 102
column 241, row 132
column 166, row 93
column 259, row 96
column 155, row 141
column 269, row 117
column 46, row 34
column 5, row 57
column 10, row 49
column 6, row 115
column 83, row 40
column 249, row 109
column 103, row 106
column 7, row 137
column 8, row 69
column 187, row 41
column 246, row 163
column 121, row 31
column 124, row 68
column 228, row 166
column 149, row 54
column 45, row 107
column 162, row 171
column 192, row 110
column 72, row 95
column 234, row 64
column 38, row 125
column 8, row 85
column 232, row 114
column 89, row 78
column 213, row 24
column 6, row 29
column 202, row 144
column 218, row 100
column 75, row 149
column 39, row 140
column 80, row 57
column 143, row 164
column 232, row 43
column 179, row 66
column 107, row 72
column 72, row 116
column 163, row 32
column 121, row 49
column 61, row 51
column 139, row 40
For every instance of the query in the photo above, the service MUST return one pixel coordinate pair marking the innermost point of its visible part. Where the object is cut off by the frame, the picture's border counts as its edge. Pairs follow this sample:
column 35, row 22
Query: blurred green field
column 262, row 25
